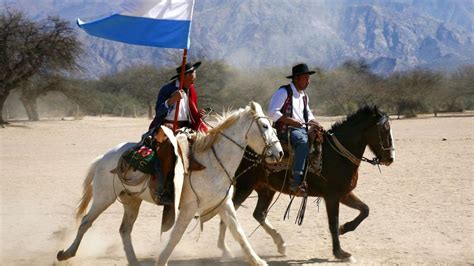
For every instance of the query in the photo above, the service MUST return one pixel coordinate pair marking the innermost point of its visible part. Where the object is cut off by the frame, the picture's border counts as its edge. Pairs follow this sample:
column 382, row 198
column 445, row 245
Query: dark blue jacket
column 161, row 111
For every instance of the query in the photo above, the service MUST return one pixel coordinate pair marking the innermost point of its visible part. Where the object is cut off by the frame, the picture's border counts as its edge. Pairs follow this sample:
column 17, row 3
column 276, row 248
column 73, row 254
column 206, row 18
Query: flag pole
column 181, row 83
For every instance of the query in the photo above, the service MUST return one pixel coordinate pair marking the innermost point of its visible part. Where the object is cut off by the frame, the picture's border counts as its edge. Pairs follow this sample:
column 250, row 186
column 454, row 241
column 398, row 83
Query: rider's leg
column 299, row 142
column 160, row 185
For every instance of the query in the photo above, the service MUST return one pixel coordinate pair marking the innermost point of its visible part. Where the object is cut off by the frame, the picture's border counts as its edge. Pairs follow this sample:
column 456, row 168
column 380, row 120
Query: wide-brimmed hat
column 187, row 69
column 300, row 69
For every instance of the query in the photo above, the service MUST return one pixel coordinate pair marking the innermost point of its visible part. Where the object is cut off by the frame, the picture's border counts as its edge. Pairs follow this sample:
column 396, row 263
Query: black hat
column 187, row 69
column 300, row 69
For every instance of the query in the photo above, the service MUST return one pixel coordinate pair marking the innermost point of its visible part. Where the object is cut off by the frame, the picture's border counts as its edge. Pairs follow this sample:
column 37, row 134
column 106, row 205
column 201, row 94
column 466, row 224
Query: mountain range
column 391, row 36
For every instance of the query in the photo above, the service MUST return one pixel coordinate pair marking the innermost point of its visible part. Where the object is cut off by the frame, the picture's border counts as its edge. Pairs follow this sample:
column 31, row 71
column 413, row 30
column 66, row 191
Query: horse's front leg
column 265, row 197
column 351, row 200
column 185, row 216
column 332, row 208
column 240, row 195
column 228, row 215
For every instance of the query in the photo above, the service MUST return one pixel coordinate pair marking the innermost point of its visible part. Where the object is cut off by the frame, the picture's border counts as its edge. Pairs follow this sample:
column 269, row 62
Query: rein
column 339, row 148
column 268, row 144
column 256, row 162
column 233, row 179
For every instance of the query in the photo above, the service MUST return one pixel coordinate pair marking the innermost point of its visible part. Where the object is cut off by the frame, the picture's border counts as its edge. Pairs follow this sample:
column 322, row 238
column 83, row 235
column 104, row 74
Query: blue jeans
column 300, row 145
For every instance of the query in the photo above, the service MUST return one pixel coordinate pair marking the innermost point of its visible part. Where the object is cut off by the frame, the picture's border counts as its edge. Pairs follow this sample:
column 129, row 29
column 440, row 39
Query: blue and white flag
column 159, row 23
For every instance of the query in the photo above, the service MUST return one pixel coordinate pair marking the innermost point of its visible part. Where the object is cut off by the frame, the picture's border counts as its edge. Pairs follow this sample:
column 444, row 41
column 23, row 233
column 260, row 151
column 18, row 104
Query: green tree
column 460, row 89
column 347, row 88
column 28, row 48
column 36, row 86
column 412, row 92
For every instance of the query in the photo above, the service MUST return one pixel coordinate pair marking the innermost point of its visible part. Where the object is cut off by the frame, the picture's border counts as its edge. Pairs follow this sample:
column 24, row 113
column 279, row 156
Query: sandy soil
column 421, row 206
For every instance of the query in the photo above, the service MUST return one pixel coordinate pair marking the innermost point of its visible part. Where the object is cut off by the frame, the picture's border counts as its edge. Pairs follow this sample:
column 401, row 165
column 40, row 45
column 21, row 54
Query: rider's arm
column 277, row 101
column 310, row 113
column 162, row 108
column 274, row 109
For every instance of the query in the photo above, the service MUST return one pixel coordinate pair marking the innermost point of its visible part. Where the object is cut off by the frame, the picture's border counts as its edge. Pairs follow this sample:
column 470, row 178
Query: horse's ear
column 375, row 109
column 253, row 105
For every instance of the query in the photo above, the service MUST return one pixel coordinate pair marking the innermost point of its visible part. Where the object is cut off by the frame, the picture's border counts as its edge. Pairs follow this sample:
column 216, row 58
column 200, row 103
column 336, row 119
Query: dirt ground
column 421, row 207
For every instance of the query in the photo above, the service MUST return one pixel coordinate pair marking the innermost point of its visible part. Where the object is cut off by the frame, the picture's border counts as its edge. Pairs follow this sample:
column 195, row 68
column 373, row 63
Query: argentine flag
column 159, row 23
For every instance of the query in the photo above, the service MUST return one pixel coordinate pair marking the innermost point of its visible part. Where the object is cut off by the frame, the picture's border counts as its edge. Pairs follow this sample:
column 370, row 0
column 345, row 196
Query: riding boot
column 297, row 187
column 168, row 191
column 160, row 185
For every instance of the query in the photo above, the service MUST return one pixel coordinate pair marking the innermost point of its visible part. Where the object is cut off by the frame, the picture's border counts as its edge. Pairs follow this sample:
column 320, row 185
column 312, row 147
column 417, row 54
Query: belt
column 180, row 123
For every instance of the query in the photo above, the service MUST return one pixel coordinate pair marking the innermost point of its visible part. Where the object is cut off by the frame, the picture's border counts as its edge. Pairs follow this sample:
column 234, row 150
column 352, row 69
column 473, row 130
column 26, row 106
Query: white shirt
column 183, row 114
column 278, row 99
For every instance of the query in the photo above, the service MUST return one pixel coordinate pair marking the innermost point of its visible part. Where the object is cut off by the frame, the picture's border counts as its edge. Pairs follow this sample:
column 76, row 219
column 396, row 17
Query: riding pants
column 300, row 145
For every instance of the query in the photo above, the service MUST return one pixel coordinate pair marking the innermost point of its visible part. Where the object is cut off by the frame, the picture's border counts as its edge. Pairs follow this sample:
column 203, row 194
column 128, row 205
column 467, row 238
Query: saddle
column 142, row 157
column 185, row 138
column 285, row 162
column 316, row 138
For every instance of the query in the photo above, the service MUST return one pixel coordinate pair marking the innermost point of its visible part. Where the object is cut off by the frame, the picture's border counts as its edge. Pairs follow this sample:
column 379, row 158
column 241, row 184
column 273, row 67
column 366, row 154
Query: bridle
column 257, row 161
column 339, row 148
column 268, row 144
column 380, row 124
column 265, row 151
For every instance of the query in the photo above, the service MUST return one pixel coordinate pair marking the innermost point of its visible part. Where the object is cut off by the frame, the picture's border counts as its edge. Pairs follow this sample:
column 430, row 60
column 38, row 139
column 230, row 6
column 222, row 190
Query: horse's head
column 379, row 137
column 262, row 137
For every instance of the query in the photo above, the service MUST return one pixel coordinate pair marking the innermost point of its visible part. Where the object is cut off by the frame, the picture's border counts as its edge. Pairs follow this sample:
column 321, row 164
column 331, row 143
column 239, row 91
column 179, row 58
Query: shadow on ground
column 236, row 262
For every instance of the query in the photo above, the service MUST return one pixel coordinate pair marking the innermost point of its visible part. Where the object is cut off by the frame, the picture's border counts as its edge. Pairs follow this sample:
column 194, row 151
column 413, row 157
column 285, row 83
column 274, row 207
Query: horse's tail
column 87, row 189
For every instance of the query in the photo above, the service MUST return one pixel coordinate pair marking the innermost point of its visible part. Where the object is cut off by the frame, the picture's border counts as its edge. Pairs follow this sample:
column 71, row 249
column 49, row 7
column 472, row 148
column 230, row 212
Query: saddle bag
column 142, row 157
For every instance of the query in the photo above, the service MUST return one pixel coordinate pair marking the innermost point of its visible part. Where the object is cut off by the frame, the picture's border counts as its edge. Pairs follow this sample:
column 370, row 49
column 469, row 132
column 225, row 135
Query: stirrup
column 298, row 190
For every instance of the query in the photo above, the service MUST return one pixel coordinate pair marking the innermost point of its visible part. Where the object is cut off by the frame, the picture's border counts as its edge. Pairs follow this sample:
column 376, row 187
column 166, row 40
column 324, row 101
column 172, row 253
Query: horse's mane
column 205, row 141
column 354, row 118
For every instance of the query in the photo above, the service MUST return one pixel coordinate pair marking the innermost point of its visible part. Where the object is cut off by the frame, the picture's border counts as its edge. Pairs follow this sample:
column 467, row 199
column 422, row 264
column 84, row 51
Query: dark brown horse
column 343, row 151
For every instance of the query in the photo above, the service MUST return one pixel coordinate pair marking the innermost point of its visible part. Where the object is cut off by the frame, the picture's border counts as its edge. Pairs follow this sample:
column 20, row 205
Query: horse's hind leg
column 98, row 206
column 354, row 202
column 227, row 213
column 265, row 197
column 241, row 194
column 131, row 206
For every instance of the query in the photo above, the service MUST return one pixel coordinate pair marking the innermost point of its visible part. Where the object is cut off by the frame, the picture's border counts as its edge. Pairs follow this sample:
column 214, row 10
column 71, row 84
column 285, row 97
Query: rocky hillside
column 390, row 35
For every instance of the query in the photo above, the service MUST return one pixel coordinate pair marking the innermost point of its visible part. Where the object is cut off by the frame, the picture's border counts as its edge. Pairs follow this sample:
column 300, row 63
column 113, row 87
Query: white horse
column 206, row 193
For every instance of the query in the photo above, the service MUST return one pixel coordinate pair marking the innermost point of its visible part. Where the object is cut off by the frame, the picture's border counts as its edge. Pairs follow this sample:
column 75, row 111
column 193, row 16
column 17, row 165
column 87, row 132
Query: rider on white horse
column 188, row 116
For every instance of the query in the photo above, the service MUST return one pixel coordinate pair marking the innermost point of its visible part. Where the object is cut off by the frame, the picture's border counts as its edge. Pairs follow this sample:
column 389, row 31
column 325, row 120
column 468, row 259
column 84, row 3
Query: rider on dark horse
column 189, row 116
column 289, row 108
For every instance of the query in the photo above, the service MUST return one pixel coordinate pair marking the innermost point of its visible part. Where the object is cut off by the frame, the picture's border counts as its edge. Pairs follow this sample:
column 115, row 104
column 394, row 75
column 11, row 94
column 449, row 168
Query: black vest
column 287, row 109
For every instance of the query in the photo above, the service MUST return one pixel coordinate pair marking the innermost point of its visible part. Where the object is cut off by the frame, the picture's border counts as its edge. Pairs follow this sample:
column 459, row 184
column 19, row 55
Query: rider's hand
column 314, row 123
column 292, row 122
column 202, row 112
column 178, row 95
column 296, row 123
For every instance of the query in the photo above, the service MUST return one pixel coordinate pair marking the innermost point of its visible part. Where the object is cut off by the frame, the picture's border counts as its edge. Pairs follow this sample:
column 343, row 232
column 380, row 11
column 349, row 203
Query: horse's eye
column 265, row 126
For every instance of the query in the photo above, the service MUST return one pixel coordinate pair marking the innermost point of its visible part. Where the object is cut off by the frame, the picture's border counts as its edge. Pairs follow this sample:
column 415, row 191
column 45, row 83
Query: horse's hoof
column 226, row 254
column 342, row 255
column 341, row 230
column 260, row 262
column 351, row 259
column 158, row 263
column 282, row 249
column 60, row 256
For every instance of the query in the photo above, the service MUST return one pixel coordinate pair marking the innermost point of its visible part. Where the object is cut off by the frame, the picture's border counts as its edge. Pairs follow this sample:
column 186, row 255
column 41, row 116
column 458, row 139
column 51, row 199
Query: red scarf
column 196, row 120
